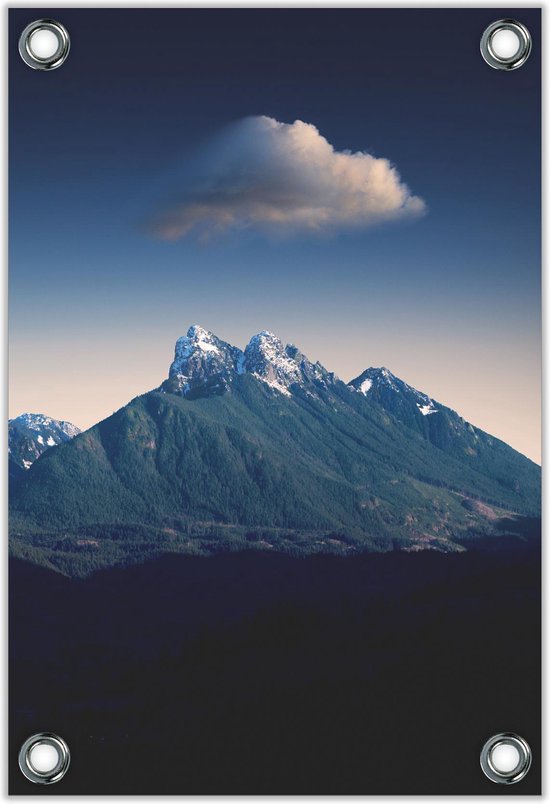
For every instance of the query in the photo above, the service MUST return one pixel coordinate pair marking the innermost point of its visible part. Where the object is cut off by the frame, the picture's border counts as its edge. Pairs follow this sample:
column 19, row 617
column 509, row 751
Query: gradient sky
column 449, row 301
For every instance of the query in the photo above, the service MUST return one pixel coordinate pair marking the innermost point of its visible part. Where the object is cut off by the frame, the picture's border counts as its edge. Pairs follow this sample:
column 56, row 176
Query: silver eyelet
column 515, row 774
column 55, row 773
column 57, row 58
column 517, row 59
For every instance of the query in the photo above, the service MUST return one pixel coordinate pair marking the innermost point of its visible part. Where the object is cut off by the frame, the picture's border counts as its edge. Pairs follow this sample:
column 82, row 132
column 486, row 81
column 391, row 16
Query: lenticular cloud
column 283, row 178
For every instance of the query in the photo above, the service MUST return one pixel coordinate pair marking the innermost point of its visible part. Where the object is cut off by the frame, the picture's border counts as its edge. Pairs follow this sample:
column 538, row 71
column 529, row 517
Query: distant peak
column 36, row 421
column 32, row 417
column 31, row 434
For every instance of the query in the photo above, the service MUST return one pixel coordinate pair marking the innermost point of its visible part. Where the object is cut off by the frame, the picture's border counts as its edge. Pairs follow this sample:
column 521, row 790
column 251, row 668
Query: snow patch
column 426, row 410
column 365, row 386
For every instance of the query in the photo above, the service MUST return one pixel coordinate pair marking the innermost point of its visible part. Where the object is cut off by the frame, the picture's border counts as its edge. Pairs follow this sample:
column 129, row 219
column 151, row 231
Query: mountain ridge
column 267, row 450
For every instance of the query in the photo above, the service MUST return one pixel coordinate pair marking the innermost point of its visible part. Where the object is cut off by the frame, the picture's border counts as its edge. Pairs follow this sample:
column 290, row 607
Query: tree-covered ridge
column 328, row 471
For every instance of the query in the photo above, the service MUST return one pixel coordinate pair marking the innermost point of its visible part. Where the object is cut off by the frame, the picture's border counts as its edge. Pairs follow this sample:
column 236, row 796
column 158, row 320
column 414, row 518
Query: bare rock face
column 203, row 364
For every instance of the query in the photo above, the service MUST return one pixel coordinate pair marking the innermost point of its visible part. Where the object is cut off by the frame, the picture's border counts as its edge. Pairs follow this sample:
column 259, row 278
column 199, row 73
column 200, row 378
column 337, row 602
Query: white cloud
column 281, row 177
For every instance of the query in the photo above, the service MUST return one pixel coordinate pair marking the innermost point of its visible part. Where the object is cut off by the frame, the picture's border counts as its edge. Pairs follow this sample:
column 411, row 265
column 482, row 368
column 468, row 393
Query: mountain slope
column 266, row 450
column 31, row 434
column 446, row 429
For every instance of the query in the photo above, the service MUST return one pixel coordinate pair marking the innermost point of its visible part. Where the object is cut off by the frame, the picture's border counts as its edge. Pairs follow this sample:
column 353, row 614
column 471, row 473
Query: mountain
column 31, row 434
column 439, row 424
column 264, row 449
column 204, row 365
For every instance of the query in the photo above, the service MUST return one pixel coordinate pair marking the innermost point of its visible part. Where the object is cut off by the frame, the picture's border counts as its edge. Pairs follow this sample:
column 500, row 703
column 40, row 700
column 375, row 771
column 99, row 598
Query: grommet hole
column 43, row 757
column 43, row 44
column 505, row 44
column 505, row 758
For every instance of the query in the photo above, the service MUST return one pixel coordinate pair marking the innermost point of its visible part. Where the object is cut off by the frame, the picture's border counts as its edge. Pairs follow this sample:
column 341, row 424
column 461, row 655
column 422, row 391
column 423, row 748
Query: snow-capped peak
column 267, row 358
column 384, row 376
column 377, row 378
column 381, row 384
column 202, row 360
column 197, row 338
column 31, row 434
column 39, row 422
column 203, row 363
column 282, row 367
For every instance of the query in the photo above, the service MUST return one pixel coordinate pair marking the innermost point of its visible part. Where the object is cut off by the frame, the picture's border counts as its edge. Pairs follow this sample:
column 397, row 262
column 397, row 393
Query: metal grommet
column 501, row 776
column 56, row 58
column 53, row 774
column 518, row 58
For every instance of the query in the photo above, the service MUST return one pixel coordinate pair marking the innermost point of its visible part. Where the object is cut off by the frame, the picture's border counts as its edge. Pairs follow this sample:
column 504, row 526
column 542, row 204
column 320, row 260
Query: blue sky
column 449, row 300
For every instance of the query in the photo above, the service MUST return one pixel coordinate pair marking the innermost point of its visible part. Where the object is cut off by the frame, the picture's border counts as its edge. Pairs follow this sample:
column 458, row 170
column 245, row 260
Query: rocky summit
column 204, row 364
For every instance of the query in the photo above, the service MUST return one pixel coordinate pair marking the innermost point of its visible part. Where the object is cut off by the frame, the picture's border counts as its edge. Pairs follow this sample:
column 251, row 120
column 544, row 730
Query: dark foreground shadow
column 257, row 673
